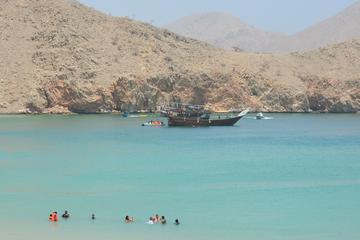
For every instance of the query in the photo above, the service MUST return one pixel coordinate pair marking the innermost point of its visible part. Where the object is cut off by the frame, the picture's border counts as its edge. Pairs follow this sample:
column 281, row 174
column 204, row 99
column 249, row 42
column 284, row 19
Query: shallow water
column 293, row 177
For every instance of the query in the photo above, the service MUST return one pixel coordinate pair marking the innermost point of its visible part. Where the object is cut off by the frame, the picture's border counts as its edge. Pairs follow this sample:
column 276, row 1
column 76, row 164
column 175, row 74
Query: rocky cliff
column 61, row 56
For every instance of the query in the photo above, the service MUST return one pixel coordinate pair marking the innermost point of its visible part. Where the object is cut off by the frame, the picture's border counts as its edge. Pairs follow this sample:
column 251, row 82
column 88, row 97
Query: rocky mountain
column 226, row 31
column 60, row 56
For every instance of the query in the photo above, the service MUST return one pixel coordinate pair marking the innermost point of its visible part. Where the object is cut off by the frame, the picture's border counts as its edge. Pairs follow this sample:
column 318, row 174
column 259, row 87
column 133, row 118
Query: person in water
column 53, row 217
column 151, row 221
column 93, row 217
column 157, row 218
column 163, row 220
column 177, row 222
column 129, row 219
column 66, row 215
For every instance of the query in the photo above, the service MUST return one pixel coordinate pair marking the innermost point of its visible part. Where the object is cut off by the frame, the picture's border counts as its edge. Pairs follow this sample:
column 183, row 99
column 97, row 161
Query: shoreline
column 152, row 113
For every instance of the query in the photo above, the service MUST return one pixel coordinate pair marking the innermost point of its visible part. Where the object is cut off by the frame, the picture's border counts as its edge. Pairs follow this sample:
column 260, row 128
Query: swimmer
column 151, row 221
column 53, row 217
column 93, row 217
column 177, row 222
column 157, row 218
column 163, row 220
column 66, row 215
column 129, row 219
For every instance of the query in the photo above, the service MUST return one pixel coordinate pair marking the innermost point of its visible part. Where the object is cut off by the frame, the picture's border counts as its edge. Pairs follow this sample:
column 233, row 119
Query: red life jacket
column 55, row 217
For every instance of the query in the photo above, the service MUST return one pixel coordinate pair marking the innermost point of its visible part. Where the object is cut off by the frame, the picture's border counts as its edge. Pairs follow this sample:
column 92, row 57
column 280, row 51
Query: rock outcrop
column 58, row 56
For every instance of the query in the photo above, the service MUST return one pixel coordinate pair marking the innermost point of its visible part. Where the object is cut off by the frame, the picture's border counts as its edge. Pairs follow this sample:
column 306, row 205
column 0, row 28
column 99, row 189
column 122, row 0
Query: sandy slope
column 58, row 56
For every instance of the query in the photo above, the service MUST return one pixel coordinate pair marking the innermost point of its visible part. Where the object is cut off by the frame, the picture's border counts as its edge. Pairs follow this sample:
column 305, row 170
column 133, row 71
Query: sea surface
column 293, row 177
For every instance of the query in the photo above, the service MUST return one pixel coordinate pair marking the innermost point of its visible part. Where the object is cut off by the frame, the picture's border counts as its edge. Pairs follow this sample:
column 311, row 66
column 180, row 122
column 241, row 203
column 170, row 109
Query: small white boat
column 153, row 124
column 260, row 116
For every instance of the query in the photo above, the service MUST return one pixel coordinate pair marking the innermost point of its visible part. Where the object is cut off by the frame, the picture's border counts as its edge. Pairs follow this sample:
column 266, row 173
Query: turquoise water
column 294, row 177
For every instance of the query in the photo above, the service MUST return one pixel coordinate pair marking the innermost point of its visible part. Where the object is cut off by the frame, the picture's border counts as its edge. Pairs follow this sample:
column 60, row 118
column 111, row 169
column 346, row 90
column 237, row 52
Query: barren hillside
column 59, row 56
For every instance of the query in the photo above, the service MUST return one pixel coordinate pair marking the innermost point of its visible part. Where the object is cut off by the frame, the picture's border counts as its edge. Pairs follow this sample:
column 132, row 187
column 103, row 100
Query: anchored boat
column 260, row 116
column 196, row 116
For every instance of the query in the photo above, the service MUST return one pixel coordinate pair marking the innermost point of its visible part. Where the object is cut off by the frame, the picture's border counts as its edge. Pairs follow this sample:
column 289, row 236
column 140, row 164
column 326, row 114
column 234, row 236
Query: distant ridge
column 224, row 30
column 342, row 27
column 227, row 31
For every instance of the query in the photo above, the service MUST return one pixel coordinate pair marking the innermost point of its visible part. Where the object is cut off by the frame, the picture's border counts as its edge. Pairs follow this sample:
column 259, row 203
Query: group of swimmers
column 152, row 220
column 54, row 216
column 128, row 219
column 157, row 219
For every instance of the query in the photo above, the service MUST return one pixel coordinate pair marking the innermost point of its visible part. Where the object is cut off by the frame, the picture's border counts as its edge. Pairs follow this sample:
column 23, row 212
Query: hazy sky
column 273, row 15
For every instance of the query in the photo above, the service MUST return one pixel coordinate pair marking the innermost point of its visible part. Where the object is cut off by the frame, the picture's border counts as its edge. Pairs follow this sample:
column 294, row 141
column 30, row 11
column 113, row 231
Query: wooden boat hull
column 193, row 122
